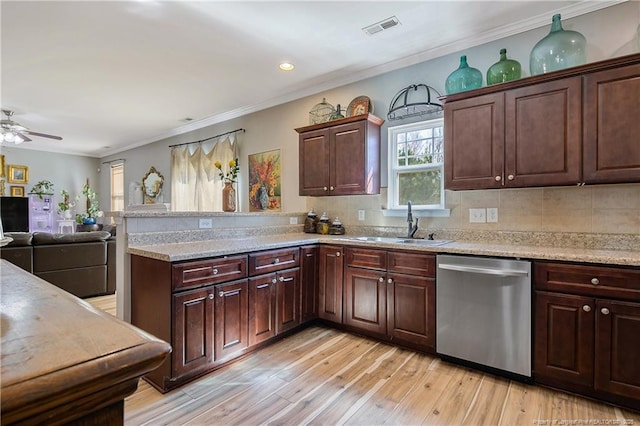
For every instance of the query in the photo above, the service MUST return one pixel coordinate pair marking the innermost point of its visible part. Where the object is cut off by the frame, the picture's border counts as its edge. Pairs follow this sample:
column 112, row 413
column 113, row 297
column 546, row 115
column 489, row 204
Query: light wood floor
column 325, row 376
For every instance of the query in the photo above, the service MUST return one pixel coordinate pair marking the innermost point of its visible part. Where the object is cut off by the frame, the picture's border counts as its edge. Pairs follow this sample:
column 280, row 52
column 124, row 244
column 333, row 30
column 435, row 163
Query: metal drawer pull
column 337, row 254
column 274, row 281
column 586, row 308
column 229, row 293
column 214, row 271
column 276, row 261
column 285, row 280
column 604, row 311
column 381, row 279
column 484, row 271
column 211, row 296
column 263, row 285
column 390, row 281
column 595, row 281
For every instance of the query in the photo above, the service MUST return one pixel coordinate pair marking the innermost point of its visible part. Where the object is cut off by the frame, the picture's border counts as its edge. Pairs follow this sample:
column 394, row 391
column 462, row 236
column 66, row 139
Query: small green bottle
column 464, row 78
column 504, row 70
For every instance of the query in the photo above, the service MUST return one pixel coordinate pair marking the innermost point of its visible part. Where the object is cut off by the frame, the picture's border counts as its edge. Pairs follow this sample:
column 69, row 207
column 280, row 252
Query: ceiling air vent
column 381, row 26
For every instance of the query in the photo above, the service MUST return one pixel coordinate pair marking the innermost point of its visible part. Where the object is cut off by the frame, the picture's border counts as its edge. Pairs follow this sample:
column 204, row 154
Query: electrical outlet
column 293, row 221
column 477, row 215
column 360, row 214
column 492, row 214
column 205, row 223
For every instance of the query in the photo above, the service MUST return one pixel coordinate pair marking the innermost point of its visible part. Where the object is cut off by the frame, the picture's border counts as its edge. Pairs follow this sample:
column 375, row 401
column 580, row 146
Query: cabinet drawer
column 273, row 260
column 211, row 271
column 599, row 281
column 420, row 264
column 367, row 258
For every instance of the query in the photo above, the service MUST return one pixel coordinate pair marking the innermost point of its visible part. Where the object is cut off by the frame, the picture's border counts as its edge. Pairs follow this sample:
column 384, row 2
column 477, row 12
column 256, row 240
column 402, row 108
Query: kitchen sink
column 399, row 240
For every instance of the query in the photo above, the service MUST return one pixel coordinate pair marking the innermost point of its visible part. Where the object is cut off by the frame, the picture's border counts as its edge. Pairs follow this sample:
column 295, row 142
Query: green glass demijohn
column 558, row 50
column 464, row 78
column 503, row 70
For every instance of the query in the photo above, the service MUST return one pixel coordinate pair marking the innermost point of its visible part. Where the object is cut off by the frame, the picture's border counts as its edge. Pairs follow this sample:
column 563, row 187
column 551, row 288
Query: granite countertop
column 173, row 252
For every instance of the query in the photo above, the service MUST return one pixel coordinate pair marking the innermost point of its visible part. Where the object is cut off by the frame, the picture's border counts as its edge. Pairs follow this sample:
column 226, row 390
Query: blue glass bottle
column 558, row 50
column 464, row 78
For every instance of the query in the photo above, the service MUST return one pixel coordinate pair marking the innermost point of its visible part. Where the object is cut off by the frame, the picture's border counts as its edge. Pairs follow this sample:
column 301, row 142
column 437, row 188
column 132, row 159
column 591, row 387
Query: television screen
column 14, row 213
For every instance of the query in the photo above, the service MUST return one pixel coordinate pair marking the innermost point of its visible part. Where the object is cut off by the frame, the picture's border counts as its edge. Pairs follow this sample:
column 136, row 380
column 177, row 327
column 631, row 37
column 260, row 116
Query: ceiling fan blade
column 42, row 135
column 24, row 137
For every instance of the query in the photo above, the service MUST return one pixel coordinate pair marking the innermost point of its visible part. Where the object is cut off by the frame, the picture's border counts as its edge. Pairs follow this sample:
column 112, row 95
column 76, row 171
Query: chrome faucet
column 412, row 229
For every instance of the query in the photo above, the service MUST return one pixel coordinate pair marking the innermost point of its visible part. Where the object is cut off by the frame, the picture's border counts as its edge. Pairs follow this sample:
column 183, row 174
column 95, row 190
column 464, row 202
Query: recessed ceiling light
column 286, row 66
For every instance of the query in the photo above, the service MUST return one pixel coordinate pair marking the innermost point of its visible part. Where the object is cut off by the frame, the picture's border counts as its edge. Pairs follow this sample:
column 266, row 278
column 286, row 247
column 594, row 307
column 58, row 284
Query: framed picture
column 18, row 174
column 264, row 181
column 17, row 191
column 2, row 166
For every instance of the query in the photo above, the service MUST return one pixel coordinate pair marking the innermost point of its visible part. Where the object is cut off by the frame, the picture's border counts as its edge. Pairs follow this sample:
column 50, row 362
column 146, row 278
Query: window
column 416, row 157
column 117, row 187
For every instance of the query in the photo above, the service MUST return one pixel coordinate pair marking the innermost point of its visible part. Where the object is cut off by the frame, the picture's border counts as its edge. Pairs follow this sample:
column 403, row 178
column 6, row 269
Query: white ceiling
column 108, row 76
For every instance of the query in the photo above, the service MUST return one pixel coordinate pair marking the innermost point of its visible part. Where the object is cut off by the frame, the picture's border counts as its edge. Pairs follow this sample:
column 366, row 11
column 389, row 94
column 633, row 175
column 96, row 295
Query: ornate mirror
column 152, row 185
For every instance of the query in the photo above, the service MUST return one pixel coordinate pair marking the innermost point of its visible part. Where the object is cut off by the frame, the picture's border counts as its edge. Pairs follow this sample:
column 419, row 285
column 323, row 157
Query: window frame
column 394, row 171
column 113, row 196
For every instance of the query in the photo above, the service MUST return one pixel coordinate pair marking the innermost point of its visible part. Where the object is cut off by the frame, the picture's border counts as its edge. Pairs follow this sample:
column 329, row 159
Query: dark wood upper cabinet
column 341, row 157
column 573, row 126
column 611, row 125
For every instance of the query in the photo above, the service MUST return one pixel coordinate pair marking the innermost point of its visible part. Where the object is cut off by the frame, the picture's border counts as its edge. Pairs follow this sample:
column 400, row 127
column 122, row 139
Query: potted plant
column 93, row 208
column 41, row 188
column 64, row 206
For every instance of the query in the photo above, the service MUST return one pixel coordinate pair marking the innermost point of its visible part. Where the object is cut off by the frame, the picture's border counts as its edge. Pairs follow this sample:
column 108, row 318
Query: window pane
column 420, row 188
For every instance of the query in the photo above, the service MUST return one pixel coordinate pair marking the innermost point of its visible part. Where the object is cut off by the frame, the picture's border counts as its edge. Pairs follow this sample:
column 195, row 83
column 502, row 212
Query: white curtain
column 195, row 183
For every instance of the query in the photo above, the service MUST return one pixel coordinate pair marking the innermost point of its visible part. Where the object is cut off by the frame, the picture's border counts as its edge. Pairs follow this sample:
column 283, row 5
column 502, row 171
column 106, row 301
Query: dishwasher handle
column 484, row 271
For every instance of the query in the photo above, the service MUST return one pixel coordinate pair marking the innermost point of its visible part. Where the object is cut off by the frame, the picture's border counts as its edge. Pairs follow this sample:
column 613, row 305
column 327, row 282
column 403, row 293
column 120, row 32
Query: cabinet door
column 617, row 348
column 564, row 339
column 474, row 142
column 365, row 300
column 543, row 134
column 412, row 310
column 309, row 283
column 262, row 308
column 330, row 284
column 288, row 300
column 611, row 125
column 192, row 341
column 314, row 162
column 231, row 318
column 355, row 160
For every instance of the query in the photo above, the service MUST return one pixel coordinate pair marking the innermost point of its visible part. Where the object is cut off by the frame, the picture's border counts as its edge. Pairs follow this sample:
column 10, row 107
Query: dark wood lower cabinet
column 309, row 258
column 231, row 318
column 262, row 308
column 411, row 302
column 365, row 300
column 287, row 300
column 330, row 283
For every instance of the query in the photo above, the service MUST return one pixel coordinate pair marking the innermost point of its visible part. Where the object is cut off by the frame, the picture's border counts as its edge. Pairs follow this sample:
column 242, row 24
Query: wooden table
column 64, row 361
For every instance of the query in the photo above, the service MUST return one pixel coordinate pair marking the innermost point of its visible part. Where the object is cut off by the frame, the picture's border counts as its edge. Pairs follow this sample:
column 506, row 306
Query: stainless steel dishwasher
column 483, row 312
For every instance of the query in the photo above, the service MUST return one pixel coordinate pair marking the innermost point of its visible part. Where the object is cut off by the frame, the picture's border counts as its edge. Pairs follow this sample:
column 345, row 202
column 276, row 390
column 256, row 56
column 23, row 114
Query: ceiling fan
column 10, row 131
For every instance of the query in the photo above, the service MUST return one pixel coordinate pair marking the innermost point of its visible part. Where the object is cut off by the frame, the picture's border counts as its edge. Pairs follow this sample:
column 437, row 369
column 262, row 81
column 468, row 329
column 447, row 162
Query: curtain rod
column 113, row 161
column 212, row 137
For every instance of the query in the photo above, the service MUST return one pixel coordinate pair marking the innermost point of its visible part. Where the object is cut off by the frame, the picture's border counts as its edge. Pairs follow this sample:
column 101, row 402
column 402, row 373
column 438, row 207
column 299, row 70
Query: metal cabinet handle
column 337, row 254
column 214, row 271
column 390, row 280
column 381, row 279
column 211, row 296
column 498, row 178
column 276, row 260
column 285, row 280
column 263, row 285
column 332, row 188
column 273, row 281
column 604, row 311
column 325, row 188
column 595, row 281
column 586, row 308
column 229, row 293
column 510, row 177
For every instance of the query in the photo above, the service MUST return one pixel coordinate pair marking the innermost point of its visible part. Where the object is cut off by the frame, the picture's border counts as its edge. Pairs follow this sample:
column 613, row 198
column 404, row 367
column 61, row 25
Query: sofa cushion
column 21, row 256
column 83, row 282
column 53, row 257
column 19, row 239
column 40, row 238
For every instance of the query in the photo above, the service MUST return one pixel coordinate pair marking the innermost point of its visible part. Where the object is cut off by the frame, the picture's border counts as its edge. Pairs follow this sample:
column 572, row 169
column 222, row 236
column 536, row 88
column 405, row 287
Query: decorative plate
column 360, row 105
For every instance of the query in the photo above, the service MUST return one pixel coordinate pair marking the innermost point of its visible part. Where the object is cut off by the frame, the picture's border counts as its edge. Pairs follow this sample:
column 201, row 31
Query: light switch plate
column 205, row 223
column 492, row 214
column 477, row 215
column 293, row 221
column 360, row 214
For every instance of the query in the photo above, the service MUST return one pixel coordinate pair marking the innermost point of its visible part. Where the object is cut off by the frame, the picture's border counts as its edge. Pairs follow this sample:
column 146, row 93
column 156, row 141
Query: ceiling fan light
column 9, row 137
column 17, row 139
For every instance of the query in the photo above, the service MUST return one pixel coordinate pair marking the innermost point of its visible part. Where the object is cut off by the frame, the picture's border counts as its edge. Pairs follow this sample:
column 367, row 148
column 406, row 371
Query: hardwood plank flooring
column 327, row 377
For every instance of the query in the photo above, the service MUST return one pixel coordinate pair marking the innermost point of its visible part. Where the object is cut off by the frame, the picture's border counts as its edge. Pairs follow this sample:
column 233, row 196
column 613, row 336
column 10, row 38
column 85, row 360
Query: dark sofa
column 83, row 263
